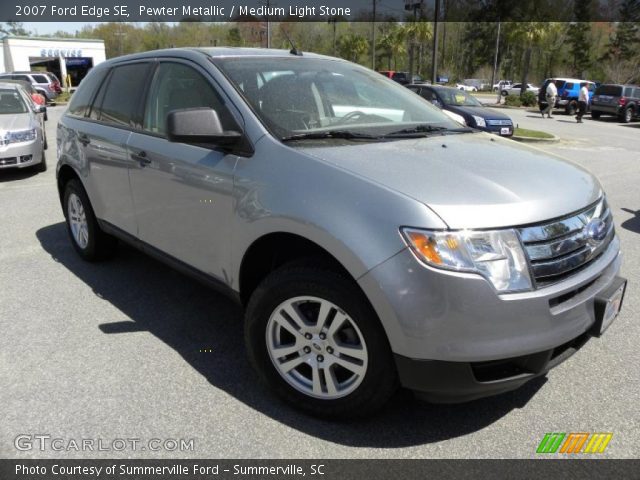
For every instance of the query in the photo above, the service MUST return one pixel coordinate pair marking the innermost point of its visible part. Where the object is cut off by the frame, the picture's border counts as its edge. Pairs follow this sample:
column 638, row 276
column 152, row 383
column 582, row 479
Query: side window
column 21, row 77
column 176, row 86
column 81, row 99
column 628, row 92
column 592, row 87
column 118, row 99
column 428, row 94
column 636, row 92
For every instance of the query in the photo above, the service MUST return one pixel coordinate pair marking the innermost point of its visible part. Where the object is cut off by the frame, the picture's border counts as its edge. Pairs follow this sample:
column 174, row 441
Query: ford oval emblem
column 595, row 231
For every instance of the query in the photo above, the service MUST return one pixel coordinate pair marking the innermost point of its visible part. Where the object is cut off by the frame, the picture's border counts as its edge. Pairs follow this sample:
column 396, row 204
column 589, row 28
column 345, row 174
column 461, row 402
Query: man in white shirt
column 551, row 94
column 583, row 101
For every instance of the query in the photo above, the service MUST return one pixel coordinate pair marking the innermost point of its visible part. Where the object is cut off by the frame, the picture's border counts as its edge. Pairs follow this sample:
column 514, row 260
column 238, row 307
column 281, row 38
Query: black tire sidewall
column 380, row 379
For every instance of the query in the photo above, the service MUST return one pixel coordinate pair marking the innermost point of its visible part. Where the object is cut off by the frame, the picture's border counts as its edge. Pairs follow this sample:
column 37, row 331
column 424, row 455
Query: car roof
column 10, row 85
column 571, row 80
column 213, row 52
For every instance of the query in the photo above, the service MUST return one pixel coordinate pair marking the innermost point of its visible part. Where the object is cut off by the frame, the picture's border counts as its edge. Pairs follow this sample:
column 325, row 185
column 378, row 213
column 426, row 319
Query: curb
column 535, row 140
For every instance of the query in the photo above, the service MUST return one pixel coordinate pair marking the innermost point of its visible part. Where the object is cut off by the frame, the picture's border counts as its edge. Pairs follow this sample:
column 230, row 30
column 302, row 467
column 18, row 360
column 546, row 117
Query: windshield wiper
column 348, row 134
column 422, row 130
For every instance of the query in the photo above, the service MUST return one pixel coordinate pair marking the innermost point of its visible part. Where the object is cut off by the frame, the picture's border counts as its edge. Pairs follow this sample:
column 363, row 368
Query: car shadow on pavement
column 633, row 224
column 14, row 175
column 190, row 317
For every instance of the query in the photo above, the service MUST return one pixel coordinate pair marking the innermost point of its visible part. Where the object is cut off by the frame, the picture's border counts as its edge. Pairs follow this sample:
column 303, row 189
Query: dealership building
column 68, row 58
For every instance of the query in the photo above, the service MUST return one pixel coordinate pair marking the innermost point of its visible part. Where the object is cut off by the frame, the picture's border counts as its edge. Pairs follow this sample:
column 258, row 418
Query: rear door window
column 40, row 78
column 628, row 92
column 81, row 99
column 120, row 95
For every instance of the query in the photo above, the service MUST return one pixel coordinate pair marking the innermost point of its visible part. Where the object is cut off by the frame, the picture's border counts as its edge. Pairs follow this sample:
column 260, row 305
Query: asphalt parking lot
column 131, row 349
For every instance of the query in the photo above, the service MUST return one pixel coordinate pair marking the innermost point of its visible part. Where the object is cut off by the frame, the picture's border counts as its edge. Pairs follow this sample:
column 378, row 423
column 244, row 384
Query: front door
column 183, row 193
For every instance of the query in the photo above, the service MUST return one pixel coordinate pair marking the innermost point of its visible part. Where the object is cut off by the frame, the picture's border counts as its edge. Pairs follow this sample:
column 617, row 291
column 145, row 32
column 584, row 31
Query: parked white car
column 466, row 88
column 517, row 87
column 502, row 84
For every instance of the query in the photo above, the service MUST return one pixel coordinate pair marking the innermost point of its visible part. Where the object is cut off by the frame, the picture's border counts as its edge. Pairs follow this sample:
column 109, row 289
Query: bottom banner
column 14, row 469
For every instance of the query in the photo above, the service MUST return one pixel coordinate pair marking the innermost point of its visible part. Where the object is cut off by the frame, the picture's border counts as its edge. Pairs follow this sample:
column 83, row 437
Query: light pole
column 434, row 63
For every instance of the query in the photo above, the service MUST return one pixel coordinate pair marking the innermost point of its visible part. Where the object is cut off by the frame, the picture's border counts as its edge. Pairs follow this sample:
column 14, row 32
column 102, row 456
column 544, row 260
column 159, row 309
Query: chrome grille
column 559, row 249
column 504, row 122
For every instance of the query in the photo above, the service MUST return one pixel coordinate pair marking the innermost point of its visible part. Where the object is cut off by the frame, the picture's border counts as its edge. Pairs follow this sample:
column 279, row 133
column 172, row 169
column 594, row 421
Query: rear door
column 116, row 110
column 183, row 193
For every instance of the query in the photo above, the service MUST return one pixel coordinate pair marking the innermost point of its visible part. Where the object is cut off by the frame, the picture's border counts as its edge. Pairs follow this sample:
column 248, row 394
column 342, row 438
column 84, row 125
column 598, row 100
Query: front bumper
column 452, row 322
column 21, row 155
column 456, row 382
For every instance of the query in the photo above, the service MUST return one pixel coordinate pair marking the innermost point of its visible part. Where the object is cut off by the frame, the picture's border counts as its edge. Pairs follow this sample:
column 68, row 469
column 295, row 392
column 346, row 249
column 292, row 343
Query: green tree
column 578, row 37
column 234, row 38
column 352, row 46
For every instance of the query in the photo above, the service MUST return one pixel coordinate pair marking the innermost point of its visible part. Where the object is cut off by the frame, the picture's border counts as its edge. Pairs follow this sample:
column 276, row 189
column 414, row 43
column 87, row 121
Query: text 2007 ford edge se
column 373, row 241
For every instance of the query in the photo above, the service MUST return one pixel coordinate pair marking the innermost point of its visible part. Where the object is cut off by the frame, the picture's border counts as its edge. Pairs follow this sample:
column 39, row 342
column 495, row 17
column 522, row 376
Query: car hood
column 473, row 180
column 483, row 112
column 11, row 123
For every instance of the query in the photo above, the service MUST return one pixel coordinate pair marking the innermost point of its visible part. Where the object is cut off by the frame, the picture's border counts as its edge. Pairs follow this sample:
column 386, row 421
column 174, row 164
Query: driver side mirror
column 40, row 109
column 199, row 125
column 436, row 102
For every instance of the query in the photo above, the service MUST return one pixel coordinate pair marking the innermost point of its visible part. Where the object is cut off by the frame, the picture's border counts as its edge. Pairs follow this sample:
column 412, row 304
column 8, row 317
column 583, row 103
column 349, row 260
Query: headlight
column 496, row 255
column 22, row 136
column 479, row 121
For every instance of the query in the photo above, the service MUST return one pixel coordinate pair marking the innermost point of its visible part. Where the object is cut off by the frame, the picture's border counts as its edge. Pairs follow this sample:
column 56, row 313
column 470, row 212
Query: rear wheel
column 627, row 115
column 312, row 337
column 87, row 238
column 572, row 107
column 595, row 115
column 504, row 93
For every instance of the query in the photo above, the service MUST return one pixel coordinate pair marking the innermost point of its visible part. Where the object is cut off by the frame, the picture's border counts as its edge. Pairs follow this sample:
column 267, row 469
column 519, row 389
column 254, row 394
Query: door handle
column 141, row 158
column 84, row 139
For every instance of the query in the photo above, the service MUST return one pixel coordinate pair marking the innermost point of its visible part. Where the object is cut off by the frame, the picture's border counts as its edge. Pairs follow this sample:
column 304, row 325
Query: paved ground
column 113, row 350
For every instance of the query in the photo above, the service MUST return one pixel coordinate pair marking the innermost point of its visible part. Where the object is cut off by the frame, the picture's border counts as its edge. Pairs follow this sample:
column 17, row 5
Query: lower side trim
column 173, row 262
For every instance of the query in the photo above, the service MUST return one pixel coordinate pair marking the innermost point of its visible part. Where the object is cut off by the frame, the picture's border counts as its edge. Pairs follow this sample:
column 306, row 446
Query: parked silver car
column 372, row 240
column 22, row 136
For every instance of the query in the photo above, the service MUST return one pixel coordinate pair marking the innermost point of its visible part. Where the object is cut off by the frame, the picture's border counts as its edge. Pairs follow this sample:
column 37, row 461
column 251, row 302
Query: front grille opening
column 496, row 370
column 565, row 297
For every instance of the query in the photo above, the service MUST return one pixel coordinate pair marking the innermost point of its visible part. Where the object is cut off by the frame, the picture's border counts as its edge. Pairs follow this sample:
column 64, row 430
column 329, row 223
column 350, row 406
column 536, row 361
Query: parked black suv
column 620, row 100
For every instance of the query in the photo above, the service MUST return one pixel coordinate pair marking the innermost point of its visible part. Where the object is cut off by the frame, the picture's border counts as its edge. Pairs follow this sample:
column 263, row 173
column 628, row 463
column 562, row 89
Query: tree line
column 601, row 51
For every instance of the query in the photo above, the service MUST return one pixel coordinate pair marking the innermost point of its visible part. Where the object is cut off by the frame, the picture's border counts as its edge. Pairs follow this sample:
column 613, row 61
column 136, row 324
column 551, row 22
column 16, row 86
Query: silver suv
column 373, row 241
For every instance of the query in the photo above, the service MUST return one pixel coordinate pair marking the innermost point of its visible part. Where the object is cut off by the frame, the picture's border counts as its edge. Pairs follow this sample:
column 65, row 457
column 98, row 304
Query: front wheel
column 87, row 238
column 571, row 109
column 313, row 337
column 42, row 166
column 505, row 93
column 595, row 115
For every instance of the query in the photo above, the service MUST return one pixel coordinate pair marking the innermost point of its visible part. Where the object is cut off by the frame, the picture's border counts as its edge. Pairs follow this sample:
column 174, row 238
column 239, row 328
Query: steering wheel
column 355, row 115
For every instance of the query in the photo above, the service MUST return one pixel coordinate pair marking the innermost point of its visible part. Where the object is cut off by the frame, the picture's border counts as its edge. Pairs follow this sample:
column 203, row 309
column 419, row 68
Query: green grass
column 525, row 132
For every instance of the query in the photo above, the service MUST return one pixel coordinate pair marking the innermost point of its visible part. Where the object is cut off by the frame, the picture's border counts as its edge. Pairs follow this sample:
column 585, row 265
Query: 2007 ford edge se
column 373, row 241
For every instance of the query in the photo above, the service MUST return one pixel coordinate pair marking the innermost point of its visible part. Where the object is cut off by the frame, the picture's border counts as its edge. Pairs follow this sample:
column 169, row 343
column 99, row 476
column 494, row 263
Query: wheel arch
column 274, row 249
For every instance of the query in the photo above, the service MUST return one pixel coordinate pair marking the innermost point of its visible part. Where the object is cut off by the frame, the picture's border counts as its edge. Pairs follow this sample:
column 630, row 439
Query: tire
column 504, row 93
column 87, row 238
column 571, row 109
column 595, row 115
column 303, row 287
column 627, row 115
column 42, row 166
column 45, row 143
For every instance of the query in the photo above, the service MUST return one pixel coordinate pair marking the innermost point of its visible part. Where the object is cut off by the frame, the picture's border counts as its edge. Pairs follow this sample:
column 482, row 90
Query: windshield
column 458, row 98
column 11, row 102
column 297, row 96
